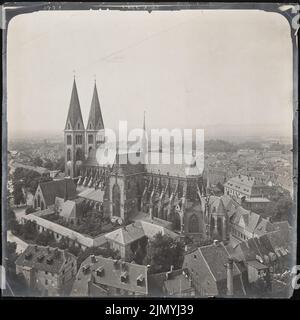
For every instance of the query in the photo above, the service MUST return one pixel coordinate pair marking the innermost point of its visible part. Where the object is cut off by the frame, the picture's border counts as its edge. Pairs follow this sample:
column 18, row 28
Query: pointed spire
column 74, row 114
column 95, row 121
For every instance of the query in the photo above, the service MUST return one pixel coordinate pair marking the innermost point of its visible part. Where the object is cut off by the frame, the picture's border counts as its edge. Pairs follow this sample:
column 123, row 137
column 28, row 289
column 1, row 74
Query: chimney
column 229, row 267
column 216, row 242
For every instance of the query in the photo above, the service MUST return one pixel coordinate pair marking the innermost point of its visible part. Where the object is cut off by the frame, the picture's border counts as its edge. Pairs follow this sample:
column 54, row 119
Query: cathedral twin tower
column 78, row 141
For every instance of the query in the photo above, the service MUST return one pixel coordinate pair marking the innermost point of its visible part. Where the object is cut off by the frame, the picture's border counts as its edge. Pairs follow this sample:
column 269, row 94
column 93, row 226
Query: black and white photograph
column 149, row 151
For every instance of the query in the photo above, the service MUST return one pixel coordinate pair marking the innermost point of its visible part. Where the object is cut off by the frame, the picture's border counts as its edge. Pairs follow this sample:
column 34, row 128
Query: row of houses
column 251, row 267
column 248, row 269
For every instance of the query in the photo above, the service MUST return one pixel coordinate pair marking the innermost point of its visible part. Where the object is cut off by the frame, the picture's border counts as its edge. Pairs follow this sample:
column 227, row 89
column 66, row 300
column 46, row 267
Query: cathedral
column 125, row 192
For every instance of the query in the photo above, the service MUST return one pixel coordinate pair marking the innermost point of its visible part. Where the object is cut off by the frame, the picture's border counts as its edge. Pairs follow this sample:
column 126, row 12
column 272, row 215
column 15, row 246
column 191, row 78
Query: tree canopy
column 164, row 252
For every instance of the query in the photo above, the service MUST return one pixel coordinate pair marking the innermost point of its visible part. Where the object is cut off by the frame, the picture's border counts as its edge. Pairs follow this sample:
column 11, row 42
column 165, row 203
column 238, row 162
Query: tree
column 59, row 164
column 38, row 162
column 164, row 252
column 62, row 244
column 280, row 209
column 12, row 223
column 283, row 209
column 49, row 164
column 11, row 257
column 29, row 231
column 18, row 192
column 75, row 249
column 44, row 239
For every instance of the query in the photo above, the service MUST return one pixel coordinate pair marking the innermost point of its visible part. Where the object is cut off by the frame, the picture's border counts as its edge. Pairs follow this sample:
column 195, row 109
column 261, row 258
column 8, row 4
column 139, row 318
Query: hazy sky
column 218, row 70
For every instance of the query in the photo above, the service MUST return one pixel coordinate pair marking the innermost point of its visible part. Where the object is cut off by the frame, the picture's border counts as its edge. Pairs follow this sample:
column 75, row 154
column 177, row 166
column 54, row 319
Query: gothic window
column 78, row 139
column 90, row 138
column 78, row 126
column 193, row 224
column 78, row 154
column 90, row 126
column 68, row 125
column 42, row 205
column 69, row 155
column 116, row 199
column 69, row 139
column 39, row 200
column 90, row 149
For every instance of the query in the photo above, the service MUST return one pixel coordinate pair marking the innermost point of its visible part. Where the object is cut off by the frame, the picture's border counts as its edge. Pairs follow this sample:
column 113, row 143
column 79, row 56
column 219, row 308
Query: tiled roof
column 58, row 188
column 137, row 230
column 243, row 184
column 263, row 227
column 216, row 205
column 216, row 256
column 127, row 234
column 171, row 282
column 109, row 274
column 262, row 247
column 92, row 194
column 44, row 258
column 257, row 265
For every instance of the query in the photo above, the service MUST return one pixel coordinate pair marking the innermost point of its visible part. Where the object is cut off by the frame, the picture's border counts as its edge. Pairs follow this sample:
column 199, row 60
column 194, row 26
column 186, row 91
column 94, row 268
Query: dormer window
column 100, row 271
column 140, row 280
column 124, row 277
column 40, row 258
column 28, row 256
column 78, row 126
column 86, row 269
column 90, row 126
column 69, row 126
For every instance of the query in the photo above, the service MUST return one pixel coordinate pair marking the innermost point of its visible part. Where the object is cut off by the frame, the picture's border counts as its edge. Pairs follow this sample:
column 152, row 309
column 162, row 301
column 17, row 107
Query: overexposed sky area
column 224, row 71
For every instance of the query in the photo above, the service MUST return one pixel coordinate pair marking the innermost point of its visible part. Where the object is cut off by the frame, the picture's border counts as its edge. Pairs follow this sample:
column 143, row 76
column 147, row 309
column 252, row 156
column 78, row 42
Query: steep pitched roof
column 216, row 257
column 176, row 282
column 44, row 258
column 95, row 121
column 58, row 188
column 127, row 234
column 74, row 113
column 137, row 230
column 110, row 275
